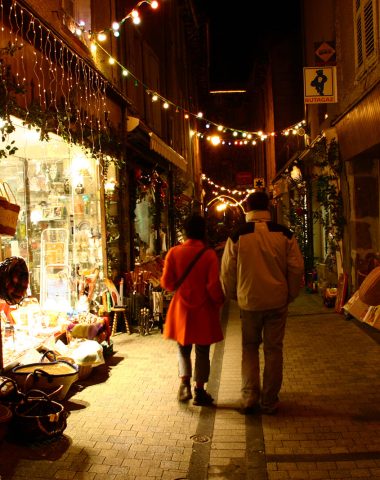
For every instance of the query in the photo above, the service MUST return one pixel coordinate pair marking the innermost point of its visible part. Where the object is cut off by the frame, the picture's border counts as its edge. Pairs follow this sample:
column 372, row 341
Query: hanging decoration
column 327, row 165
column 223, row 135
column 101, row 35
column 64, row 95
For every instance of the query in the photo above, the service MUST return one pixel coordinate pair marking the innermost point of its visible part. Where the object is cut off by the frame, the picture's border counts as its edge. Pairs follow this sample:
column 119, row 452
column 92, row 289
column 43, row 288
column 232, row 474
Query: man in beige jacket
column 262, row 268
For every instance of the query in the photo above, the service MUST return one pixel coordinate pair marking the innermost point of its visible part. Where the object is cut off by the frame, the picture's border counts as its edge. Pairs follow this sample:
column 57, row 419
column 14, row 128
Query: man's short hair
column 258, row 200
column 195, row 227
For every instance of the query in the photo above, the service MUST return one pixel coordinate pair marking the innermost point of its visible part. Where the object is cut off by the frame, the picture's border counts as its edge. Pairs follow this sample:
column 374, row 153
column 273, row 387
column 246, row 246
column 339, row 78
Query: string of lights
column 134, row 15
column 239, row 137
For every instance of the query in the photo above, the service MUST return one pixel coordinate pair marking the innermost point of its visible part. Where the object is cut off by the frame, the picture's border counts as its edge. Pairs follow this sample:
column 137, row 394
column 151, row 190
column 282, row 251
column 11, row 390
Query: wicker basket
column 38, row 417
column 5, row 418
column 8, row 211
column 84, row 371
column 47, row 377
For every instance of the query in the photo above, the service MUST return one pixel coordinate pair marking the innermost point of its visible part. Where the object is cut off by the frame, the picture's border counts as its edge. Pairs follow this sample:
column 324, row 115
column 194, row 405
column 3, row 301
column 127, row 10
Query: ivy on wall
column 321, row 172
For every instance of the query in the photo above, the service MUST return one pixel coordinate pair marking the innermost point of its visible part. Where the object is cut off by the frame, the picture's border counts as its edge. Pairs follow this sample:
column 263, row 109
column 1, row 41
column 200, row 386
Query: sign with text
column 320, row 85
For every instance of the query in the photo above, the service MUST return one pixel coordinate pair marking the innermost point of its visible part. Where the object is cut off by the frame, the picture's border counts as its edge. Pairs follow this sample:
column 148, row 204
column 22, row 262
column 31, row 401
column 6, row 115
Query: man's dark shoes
column 184, row 392
column 201, row 397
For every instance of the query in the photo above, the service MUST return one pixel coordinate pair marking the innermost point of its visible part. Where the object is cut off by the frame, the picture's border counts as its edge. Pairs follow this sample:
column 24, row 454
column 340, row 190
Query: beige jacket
column 262, row 266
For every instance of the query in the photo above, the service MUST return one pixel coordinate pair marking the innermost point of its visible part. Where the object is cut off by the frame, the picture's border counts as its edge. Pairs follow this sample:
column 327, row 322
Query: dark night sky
column 239, row 34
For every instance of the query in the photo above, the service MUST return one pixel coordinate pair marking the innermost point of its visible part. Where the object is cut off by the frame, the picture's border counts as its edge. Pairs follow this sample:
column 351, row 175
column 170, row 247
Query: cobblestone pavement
column 125, row 421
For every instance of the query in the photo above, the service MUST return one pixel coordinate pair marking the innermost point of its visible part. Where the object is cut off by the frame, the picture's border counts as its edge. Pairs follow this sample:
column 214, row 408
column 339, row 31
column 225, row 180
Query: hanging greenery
column 9, row 89
column 182, row 203
column 325, row 166
column 297, row 213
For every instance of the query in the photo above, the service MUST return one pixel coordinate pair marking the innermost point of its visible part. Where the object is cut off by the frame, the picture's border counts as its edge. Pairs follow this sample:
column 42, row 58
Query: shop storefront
column 59, row 233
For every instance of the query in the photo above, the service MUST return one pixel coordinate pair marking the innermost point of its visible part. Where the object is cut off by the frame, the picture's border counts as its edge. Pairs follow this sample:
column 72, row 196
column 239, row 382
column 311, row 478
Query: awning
column 167, row 152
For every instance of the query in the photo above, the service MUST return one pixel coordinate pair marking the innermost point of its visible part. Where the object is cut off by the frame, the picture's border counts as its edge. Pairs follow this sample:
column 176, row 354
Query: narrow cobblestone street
column 125, row 421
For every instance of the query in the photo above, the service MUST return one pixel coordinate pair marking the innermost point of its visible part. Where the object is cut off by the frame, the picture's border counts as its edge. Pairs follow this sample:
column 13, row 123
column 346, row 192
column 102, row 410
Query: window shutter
column 365, row 35
column 369, row 29
column 359, row 42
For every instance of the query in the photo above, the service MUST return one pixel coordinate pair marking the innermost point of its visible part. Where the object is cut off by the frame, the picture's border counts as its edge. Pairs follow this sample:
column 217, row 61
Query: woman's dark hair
column 258, row 201
column 195, row 227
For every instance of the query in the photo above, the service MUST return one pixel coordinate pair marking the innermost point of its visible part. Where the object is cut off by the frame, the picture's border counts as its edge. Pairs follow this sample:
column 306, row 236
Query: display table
column 24, row 348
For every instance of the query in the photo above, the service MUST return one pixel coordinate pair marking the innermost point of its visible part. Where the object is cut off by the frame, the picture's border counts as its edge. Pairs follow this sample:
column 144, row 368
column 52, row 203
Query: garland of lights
column 115, row 28
column 95, row 90
column 225, row 195
column 246, row 137
column 70, row 96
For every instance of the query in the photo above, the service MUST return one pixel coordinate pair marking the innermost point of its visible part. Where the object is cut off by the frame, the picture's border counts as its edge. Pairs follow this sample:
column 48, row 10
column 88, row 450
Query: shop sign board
column 320, row 85
column 325, row 53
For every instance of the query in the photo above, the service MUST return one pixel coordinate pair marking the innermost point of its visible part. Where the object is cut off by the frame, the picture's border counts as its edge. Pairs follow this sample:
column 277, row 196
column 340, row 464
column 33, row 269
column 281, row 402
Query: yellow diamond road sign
column 258, row 183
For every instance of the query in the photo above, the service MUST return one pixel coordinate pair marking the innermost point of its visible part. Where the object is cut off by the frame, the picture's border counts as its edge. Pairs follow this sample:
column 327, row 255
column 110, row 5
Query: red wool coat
column 194, row 311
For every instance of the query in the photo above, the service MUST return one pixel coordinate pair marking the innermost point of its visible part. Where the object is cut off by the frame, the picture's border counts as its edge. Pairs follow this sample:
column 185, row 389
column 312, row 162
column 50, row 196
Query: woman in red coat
column 193, row 316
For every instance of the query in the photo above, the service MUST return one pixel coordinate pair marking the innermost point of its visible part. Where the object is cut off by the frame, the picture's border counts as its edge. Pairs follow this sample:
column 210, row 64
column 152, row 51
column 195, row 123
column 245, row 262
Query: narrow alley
column 125, row 421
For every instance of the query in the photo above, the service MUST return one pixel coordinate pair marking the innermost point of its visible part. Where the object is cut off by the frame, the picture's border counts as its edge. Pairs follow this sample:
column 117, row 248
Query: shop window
column 58, row 231
column 365, row 35
column 151, row 215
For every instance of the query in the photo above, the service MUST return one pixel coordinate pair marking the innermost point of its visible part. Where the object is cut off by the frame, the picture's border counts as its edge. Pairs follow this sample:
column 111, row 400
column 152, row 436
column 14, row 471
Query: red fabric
column 194, row 312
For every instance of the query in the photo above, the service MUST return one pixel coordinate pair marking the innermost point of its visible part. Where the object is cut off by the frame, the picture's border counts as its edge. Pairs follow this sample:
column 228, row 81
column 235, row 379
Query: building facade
column 94, row 161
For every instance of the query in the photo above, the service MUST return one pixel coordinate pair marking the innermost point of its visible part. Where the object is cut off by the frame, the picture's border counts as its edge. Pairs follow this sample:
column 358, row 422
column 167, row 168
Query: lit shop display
column 151, row 216
column 58, row 234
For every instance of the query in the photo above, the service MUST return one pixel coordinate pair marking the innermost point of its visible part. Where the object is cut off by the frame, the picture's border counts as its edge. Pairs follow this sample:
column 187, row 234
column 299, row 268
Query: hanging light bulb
column 215, row 140
column 125, row 72
column 154, row 4
column 93, row 47
column 102, row 37
column 111, row 61
column 135, row 17
column 154, row 98
column 200, row 115
column 165, row 105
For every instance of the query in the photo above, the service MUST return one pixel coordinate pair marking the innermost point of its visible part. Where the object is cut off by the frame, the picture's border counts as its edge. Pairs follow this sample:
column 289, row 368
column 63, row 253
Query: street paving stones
column 125, row 421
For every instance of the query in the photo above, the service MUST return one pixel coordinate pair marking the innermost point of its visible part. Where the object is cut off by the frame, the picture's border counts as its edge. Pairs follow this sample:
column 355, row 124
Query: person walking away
column 262, row 268
column 193, row 316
